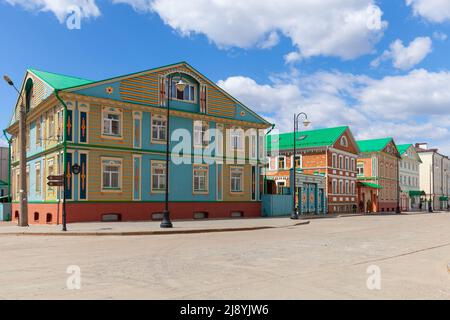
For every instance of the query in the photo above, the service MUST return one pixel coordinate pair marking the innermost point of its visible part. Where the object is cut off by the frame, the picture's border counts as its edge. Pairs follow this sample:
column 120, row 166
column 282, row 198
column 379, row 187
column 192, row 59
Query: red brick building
column 331, row 151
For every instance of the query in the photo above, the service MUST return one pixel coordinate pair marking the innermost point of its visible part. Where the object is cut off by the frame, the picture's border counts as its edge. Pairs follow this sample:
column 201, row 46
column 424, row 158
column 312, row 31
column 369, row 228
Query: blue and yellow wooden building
column 115, row 130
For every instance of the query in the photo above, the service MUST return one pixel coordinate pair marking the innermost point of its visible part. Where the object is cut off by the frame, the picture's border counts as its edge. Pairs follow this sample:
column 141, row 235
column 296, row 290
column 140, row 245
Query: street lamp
column 180, row 85
column 306, row 123
column 23, row 216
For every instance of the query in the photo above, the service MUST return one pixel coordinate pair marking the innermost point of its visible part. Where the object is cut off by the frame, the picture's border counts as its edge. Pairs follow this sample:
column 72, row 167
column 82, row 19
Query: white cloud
column 410, row 108
column 60, row 8
column 432, row 10
column 438, row 35
column 342, row 28
column 405, row 58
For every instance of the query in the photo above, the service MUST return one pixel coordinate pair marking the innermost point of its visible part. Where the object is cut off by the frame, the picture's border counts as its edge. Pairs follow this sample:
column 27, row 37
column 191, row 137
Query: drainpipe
column 9, row 164
column 265, row 169
column 64, row 215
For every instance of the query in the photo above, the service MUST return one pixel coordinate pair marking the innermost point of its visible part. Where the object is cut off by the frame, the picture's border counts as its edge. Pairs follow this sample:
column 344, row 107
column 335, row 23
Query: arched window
column 344, row 141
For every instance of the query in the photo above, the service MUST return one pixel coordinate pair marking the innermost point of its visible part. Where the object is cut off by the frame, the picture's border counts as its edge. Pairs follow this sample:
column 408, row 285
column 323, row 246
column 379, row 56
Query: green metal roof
column 306, row 139
column 373, row 145
column 59, row 81
column 403, row 147
column 371, row 185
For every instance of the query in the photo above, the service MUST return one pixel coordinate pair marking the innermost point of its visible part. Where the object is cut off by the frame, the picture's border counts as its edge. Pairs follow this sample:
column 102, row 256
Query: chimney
column 422, row 145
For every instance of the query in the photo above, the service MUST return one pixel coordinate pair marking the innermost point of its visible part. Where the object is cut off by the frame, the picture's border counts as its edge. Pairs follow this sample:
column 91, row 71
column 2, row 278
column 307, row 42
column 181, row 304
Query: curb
column 145, row 233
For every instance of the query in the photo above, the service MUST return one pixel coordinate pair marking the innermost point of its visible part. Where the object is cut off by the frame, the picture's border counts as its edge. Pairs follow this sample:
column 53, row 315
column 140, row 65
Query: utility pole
column 23, row 193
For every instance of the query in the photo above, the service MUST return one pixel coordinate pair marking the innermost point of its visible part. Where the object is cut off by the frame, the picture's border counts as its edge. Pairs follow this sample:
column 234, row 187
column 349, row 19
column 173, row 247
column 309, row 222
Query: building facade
column 410, row 195
column 378, row 169
column 434, row 176
column 331, row 152
column 4, row 172
column 115, row 131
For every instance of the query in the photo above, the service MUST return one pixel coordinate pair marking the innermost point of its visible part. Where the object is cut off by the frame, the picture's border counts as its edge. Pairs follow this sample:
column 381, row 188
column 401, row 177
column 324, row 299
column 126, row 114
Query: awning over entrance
column 416, row 193
column 370, row 185
column 443, row 198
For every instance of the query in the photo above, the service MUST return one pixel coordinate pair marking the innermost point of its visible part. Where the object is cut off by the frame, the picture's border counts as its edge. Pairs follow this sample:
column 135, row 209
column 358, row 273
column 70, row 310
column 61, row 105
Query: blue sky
column 381, row 67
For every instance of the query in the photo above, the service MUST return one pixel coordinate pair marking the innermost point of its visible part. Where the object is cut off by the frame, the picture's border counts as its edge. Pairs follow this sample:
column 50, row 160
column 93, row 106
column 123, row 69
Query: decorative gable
column 391, row 149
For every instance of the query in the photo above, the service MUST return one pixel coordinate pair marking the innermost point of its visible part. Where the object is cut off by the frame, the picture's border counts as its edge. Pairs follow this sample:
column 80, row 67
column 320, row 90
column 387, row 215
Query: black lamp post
column 180, row 85
column 306, row 123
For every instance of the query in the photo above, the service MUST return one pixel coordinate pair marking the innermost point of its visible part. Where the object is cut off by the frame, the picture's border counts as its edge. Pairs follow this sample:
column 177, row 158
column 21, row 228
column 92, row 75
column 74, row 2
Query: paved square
column 326, row 259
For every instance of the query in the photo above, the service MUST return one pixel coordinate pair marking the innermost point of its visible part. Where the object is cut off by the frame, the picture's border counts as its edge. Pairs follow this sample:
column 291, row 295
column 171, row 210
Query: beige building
column 409, row 178
column 434, row 176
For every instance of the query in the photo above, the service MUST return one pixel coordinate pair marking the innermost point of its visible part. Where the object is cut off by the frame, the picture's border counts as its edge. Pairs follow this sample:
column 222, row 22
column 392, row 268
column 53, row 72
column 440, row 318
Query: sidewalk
column 150, row 227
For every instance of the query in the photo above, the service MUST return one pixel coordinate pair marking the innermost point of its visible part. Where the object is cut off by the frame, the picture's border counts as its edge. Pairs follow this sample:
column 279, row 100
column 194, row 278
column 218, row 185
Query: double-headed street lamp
column 180, row 85
column 306, row 123
column 23, row 200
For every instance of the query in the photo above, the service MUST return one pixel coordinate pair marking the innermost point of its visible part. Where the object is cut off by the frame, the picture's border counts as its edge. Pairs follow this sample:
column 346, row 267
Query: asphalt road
column 328, row 259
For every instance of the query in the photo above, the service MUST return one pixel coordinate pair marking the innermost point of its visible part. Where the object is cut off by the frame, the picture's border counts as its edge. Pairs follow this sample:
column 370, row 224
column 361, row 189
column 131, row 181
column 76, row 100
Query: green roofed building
column 329, row 151
column 410, row 195
column 107, row 141
column 378, row 172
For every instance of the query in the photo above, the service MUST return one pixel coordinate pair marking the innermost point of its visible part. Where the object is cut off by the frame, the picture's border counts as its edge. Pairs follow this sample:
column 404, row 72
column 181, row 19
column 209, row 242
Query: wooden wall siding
column 96, row 123
column 95, row 178
column 39, row 91
column 244, row 196
column 219, row 104
column 142, row 89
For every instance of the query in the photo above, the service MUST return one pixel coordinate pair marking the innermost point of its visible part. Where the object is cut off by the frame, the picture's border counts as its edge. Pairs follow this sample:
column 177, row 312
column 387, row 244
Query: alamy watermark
column 374, row 280
column 73, row 282
column 73, row 18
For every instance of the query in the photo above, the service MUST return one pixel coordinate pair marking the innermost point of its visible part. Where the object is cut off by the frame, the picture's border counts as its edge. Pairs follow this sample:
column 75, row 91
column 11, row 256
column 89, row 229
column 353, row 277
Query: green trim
column 371, row 185
column 443, row 198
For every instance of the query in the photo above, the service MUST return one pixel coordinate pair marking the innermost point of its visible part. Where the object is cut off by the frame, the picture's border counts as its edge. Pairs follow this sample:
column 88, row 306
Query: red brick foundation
column 133, row 211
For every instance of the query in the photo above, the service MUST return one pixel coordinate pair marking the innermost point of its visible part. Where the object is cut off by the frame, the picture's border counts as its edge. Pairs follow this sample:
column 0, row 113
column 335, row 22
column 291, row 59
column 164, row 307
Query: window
column 334, row 186
column 344, row 141
column 158, row 176
column 341, row 162
column 261, row 146
column 236, row 179
column 341, row 186
column 353, row 188
column 347, row 163
column 159, row 128
column 51, row 124
column 111, row 174
column 298, row 161
column 201, row 138
column 111, row 124
column 28, row 180
column 38, row 132
column 188, row 94
column 253, row 146
column 360, row 169
column 281, row 162
column 347, row 187
column 200, row 177
column 334, row 160
column 38, row 178
column 28, row 136
column 353, row 164
column 51, row 170
column 236, row 139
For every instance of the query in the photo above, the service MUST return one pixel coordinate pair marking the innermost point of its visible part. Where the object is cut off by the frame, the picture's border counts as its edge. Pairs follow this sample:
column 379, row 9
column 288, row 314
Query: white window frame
column 334, row 186
column 160, row 164
column 116, row 112
column 174, row 90
column 237, row 135
column 253, row 152
column 204, row 169
column 201, row 131
column 334, row 160
column 284, row 162
column 107, row 161
column 160, row 128
column 234, row 169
